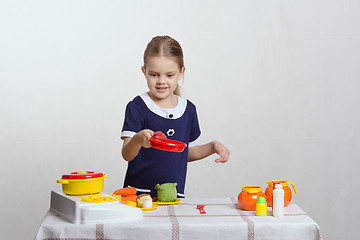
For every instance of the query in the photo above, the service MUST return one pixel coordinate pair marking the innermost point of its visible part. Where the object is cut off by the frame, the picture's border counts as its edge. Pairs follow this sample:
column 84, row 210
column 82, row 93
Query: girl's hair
column 168, row 47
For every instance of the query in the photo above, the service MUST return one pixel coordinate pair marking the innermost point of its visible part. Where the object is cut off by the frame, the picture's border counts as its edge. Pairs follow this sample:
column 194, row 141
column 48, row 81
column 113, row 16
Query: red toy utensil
column 201, row 209
column 159, row 141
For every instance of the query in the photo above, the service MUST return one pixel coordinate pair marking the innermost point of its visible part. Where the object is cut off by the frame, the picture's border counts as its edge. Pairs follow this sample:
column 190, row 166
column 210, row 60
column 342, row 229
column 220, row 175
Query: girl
column 162, row 109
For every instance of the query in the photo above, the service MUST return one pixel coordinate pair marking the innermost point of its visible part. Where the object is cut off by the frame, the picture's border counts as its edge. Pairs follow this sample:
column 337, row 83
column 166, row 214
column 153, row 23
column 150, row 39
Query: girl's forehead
column 162, row 62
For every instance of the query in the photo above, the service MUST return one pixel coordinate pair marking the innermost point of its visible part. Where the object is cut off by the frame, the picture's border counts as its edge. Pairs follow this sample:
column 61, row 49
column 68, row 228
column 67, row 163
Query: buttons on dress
column 170, row 115
column 170, row 132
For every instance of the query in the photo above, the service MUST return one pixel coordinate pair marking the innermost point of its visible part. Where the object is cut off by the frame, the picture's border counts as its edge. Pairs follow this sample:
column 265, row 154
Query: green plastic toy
column 166, row 192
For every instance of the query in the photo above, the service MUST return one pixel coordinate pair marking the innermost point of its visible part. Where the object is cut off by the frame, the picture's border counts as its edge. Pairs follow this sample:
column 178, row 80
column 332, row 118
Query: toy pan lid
column 82, row 175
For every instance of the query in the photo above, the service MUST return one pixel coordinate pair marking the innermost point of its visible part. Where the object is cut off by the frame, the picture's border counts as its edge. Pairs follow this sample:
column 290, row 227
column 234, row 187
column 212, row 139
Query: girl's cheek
column 152, row 78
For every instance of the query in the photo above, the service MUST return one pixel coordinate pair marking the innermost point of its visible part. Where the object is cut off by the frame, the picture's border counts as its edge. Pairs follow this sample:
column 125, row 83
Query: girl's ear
column 143, row 70
column 182, row 72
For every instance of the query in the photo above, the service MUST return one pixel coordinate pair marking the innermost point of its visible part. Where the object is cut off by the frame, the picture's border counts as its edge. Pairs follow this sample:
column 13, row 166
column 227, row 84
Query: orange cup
column 248, row 197
column 287, row 192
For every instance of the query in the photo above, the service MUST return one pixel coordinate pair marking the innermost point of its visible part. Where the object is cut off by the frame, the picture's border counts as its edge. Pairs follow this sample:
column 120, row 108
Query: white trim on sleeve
column 181, row 195
column 195, row 142
column 126, row 134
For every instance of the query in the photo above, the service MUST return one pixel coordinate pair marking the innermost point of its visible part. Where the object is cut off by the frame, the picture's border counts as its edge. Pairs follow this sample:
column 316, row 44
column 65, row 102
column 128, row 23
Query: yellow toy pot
column 82, row 183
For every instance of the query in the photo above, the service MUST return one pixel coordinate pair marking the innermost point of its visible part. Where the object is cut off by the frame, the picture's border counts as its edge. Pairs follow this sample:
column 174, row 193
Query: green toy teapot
column 166, row 192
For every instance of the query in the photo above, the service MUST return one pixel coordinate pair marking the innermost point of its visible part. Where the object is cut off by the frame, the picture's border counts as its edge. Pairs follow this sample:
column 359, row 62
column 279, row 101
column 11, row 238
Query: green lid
column 261, row 200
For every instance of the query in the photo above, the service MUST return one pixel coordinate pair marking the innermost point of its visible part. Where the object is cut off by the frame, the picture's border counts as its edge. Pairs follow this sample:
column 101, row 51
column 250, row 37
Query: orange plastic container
column 287, row 191
column 248, row 197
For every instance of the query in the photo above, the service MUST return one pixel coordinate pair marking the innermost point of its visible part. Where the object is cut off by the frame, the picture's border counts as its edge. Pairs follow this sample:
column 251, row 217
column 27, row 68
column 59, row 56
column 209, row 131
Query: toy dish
column 169, row 203
column 169, row 145
column 154, row 207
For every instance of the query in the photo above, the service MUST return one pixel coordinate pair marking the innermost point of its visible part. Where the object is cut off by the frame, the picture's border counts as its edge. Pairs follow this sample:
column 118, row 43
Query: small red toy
column 201, row 209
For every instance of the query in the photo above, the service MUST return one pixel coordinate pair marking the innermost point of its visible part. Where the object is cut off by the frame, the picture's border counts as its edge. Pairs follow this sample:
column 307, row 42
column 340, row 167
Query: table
column 223, row 220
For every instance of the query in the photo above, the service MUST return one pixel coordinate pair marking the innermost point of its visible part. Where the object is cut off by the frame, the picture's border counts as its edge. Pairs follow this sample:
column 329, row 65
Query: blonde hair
column 168, row 47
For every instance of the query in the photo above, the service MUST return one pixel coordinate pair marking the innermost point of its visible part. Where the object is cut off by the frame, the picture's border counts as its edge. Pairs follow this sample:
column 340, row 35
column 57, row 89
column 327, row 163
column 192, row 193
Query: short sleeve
column 195, row 129
column 134, row 120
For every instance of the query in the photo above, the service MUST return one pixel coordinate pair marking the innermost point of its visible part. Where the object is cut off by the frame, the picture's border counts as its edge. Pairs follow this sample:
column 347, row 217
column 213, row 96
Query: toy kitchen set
column 82, row 201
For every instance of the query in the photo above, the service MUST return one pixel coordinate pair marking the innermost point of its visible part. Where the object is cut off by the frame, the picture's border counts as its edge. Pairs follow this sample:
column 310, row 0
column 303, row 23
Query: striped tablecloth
column 223, row 220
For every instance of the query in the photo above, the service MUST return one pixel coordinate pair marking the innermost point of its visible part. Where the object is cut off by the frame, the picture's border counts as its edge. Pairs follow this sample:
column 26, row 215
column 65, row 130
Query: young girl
column 162, row 109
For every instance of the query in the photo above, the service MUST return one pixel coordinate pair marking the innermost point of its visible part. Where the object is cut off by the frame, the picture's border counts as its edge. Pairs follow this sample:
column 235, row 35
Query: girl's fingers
column 224, row 157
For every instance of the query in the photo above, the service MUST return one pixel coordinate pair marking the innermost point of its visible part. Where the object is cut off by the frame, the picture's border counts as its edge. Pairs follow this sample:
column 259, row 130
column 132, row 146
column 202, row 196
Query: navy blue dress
column 152, row 166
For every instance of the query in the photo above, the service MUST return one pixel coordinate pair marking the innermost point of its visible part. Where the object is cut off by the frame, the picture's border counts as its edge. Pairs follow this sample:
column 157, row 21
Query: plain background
column 276, row 81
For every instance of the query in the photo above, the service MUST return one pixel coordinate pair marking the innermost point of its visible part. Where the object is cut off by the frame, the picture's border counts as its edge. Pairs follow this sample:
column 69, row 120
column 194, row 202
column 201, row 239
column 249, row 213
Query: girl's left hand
column 224, row 153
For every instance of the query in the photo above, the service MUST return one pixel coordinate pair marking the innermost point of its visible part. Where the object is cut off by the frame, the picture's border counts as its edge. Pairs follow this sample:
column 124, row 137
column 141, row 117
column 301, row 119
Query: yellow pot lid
column 98, row 199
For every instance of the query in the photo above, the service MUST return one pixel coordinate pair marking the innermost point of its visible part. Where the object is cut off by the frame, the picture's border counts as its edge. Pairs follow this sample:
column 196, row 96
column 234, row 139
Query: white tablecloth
column 223, row 220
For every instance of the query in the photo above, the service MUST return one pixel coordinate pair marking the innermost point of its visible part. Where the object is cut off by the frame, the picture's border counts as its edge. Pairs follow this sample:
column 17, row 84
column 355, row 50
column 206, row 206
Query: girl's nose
column 161, row 80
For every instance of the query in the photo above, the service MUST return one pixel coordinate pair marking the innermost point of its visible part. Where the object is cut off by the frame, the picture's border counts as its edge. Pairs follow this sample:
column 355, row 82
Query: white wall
column 276, row 81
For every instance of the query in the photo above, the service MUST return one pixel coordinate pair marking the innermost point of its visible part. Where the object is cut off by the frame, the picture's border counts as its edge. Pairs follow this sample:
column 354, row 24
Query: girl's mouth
column 161, row 89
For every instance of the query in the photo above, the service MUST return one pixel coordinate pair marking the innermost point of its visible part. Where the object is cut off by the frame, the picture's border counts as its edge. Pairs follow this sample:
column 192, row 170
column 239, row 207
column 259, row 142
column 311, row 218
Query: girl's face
column 162, row 75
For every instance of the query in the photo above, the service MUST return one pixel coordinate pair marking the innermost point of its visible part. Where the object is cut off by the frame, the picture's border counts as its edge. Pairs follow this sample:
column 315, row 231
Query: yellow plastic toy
column 261, row 207
column 82, row 183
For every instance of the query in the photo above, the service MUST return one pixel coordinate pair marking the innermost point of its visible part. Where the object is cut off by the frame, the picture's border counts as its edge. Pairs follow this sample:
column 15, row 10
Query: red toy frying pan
column 159, row 141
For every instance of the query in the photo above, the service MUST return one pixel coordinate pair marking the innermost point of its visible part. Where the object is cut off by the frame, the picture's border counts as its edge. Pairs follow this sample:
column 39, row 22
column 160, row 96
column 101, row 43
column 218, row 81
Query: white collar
column 169, row 113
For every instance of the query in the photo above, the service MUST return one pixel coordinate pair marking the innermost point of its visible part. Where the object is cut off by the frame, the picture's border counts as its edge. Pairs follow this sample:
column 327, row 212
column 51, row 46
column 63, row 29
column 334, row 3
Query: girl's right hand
column 142, row 137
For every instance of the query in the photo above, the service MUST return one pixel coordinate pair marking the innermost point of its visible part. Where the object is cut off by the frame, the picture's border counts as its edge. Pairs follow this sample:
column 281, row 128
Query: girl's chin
column 158, row 94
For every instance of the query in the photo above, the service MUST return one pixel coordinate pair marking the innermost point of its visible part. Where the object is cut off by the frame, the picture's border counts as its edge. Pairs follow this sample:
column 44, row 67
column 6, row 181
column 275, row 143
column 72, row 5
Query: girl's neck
column 169, row 102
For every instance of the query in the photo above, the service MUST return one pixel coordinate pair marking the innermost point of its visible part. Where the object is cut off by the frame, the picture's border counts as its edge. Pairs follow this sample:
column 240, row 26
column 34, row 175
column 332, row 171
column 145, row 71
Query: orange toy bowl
column 248, row 197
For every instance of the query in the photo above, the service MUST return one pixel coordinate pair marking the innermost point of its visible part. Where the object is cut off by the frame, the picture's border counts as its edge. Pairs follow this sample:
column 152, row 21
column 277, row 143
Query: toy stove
column 92, row 208
column 82, row 202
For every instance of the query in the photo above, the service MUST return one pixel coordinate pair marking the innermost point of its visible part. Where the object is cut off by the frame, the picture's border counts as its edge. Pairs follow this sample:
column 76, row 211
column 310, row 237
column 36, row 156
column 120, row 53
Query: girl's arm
column 202, row 151
column 131, row 146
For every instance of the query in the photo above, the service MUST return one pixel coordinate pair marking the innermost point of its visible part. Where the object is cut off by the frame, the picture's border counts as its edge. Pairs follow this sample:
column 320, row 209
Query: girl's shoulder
column 136, row 101
column 136, row 105
column 190, row 104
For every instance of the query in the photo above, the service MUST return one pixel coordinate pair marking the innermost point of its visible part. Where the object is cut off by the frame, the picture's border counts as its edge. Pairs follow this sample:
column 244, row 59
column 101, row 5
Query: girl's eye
column 169, row 76
column 153, row 75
